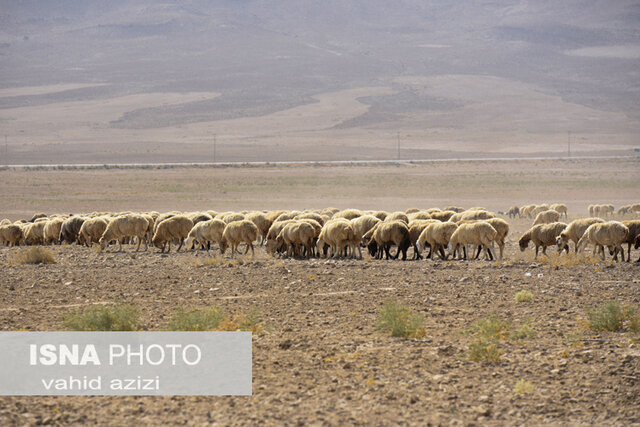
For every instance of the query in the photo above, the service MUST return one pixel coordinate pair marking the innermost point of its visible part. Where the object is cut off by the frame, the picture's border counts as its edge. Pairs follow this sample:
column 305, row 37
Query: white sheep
column 91, row 231
column 338, row 235
column 237, row 232
column 11, row 234
column 612, row 234
column 300, row 233
column 574, row 232
column 206, row 232
column 437, row 235
column 479, row 233
column 130, row 225
column 176, row 227
column 561, row 208
column 546, row 217
column 51, row 231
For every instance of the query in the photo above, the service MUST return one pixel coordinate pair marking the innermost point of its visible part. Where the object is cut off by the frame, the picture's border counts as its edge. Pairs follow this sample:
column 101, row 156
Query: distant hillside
column 264, row 56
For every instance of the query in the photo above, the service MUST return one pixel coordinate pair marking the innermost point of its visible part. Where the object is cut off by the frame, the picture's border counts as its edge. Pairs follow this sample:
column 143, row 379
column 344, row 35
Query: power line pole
column 568, row 143
column 6, row 150
column 214, row 148
column 398, row 145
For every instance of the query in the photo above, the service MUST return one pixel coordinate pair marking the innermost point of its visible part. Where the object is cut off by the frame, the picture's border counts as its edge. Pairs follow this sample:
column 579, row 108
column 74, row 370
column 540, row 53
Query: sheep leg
column 536, row 257
column 628, row 254
column 246, row 249
column 180, row 245
column 488, row 249
column 119, row 245
column 501, row 246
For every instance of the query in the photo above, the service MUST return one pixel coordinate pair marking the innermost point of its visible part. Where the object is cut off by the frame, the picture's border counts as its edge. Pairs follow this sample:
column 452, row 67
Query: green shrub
column 485, row 350
column 400, row 321
column 524, row 332
column 523, row 387
column 492, row 327
column 606, row 317
column 119, row 317
column 524, row 296
column 197, row 320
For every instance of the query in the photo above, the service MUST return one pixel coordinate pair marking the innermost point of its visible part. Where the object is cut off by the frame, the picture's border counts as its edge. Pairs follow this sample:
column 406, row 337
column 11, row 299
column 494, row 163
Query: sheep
column 70, row 229
column 513, row 211
column 411, row 210
column 329, row 211
column 637, row 245
column 574, row 232
column 91, row 231
column 176, row 227
column 416, row 227
column 348, row 214
column 502, row 229
column 363, row 224
column 161, row 218
column 387, row 233
column 418, row 215
column 131, row 225
column 275, row 229
column 471, row 215
column 592, row 210
column 206, row 232
column 561, row 208
column 634, row 232
column 263, row 223
column 51, row 231
column 455, row 209
column 339, row 235
column 233, row 217
column 397, row 216
column 34, row 233
column 298, row 233
column 197, row 217
column 11, row 235
column 443, row 215
column 5, row 222
column 436, row 235
column 526, row 210
column 602, row 210
column 312, row 215
column 381, row 215
column 237, row 232
column 479, row 233
column 542, row 235
column 272, row 216
column 624, row 210
column 37, row 216
column 546, row 217
column 612, row 234
column 539, row 208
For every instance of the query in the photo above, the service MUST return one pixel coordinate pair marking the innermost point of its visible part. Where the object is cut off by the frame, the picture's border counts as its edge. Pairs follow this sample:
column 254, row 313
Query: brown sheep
column 542, row 235
column 546, row 217
column 11, row 235
column 574, row 232
column 389, row 233
column 612, row 234
column 91, row 231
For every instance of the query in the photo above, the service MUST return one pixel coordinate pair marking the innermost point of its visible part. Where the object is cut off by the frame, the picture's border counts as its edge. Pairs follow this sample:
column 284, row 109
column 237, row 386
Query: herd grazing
column 449, row 233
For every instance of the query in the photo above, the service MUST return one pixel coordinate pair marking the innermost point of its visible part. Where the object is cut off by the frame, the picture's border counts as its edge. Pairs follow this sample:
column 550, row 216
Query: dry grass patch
column 399, row 321
column 34, row 255
column 524, row 296
column 216, row 319
column 523, row 387
column 118, row 317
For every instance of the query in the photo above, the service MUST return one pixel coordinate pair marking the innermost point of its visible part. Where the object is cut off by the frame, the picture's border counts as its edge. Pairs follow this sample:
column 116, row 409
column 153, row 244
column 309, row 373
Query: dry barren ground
column 322, row 360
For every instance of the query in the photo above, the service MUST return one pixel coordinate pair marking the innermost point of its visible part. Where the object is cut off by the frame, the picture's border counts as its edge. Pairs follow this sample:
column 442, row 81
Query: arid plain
column 321, row 358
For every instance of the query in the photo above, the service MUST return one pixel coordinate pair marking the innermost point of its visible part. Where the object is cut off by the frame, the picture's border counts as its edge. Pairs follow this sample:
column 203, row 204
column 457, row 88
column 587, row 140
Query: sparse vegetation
column 524, row 332
column 524, row 296
column 118, row 317
column 196, row 320
column 215, row 319
column 611, row 316
column 488, row 332
column 523, row 387
column 399, row 321
column 34, row 255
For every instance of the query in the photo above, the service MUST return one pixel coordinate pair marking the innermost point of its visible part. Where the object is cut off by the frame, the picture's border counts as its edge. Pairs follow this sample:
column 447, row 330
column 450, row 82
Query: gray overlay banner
column 125, row 363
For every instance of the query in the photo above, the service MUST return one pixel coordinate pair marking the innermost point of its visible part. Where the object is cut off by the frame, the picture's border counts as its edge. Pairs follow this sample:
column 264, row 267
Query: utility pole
column 398, row 145
column 6, row 150
column 214, row 148
column 569, row 143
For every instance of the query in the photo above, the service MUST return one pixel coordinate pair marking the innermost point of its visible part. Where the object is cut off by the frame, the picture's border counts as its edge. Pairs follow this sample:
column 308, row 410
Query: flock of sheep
column 335, row 233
